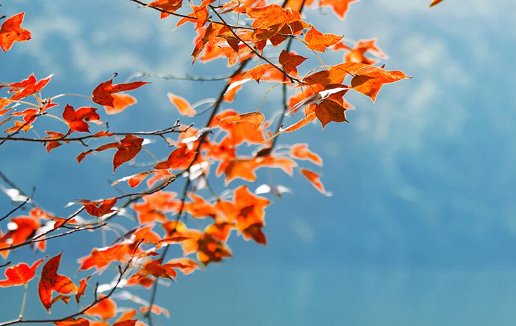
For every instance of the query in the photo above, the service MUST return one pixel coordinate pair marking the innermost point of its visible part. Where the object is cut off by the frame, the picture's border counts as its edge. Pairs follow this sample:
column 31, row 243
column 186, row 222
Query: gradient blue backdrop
column 421, row 229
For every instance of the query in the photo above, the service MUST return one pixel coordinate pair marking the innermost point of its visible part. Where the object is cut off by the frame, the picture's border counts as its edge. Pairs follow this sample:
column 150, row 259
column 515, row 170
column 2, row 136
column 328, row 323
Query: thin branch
column 216, row 107
column 97, row 300
column 144, row 74
column 258, row 54
column 189, row 17
column 15, row 209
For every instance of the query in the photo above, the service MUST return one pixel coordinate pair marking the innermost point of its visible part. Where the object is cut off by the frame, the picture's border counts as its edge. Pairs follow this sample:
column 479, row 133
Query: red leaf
column 105, row 309
column 11, row 31
column 51, row 281
column 103, row 93
column 20, row 274
column 100, row 207
column 78, row 120
column 435, row 2
column 179, row 158
column 73, row 322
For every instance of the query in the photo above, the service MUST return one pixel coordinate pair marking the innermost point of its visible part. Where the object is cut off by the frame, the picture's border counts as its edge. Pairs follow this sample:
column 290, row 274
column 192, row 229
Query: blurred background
column 421, row 227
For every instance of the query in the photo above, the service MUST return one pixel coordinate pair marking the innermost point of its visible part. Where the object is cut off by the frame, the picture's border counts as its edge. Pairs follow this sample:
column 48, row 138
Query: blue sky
column 421, row 228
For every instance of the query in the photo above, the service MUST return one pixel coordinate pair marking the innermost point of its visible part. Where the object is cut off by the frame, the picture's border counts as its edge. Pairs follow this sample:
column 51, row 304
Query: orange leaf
column 78, row 120
column 435, row 2
column 11, row 31
column 290, row 61
column 179, row 158
column 103, row 93
column 369, row 79
column 315, row 181
column 301, row 152
column 120, row 103
column 51, row 281
column 100, row 207
column 73, row 322
column 329, row 110
column 253, row 118
column 82, row 287
column 105, row 308
column 168, row 5
column 340, row 7
column 20, row 274
column 182, row 105
column 318, row 41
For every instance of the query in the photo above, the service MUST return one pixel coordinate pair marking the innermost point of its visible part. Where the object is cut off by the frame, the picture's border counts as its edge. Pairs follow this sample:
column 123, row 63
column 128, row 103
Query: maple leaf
column 315, row 181
column 27, row 87
column 301, row 152
column 99, row 208
column 73, row 322
column 20, row 274
column 103, row 93
column 179, row 158
column 105, row 308
column 253, row 118
column 11, row 31
column 290, row 61
column 251, row 213
column 82, row 287
column 329, row 110
column 182, row 105
column 167, row 5
column 127, row 149
column 77, row 120
column 51, row 281
column 318, row 41
column 368, row 79
column 340, row 7
column 120, row 103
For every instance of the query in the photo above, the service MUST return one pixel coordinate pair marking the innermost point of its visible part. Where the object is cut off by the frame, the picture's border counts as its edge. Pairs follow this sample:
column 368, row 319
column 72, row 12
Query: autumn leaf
column 182, row 105
column 73, row 322
column 329, row 110
column 340, row 7
column 82, row 287
column 20, row 274
column 77, row 120
column 51, row 281
column 105, row 308
column 318, row 41
column 103, row 93
column 289, row 61
column 120, row 103
column 11, row 31
column 370, row 80
column 435, row 2
column 315, row 181
column 253, row 118
column 179, row 158
column 168, row 6
column 301, row 152
column 127, row 149
column 27, row 87
column 100, row 207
